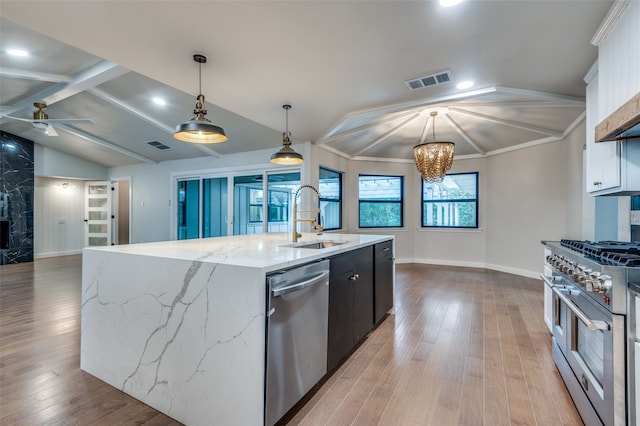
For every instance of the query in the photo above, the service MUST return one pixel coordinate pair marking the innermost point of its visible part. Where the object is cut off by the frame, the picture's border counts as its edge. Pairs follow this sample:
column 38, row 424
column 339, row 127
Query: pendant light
column 433, row 159
column 200, row 129
column 287, row 156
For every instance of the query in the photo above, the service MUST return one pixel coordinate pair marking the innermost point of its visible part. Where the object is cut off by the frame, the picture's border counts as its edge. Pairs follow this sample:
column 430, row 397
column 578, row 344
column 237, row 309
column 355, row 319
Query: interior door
column 97, row 214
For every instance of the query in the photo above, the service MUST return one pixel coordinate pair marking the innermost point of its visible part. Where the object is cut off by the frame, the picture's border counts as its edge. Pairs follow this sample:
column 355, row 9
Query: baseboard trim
column 482, row 265
column 57, row 253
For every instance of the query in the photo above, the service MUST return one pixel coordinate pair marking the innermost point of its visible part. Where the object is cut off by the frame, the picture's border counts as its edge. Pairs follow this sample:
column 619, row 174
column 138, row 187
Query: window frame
column 476, row 200
column 401, row 201
column 338, row 200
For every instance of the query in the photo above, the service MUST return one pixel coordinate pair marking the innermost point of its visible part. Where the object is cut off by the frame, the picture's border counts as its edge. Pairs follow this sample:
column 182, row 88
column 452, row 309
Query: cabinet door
column 383, row 283
column 363, row 300
column 340, row 334
column 603, row 158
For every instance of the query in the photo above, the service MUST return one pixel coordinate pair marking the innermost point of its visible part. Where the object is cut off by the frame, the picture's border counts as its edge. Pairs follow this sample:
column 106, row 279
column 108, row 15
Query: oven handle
column 551, row 281
column 591, row 324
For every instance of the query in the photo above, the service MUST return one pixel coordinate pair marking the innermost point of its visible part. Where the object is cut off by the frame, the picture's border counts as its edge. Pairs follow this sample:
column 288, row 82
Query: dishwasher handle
column 300, row 285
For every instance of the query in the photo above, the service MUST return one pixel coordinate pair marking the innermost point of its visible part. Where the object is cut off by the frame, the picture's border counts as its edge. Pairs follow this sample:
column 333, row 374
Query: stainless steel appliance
column 297, row 326
column 589, row 284
column 633, row 345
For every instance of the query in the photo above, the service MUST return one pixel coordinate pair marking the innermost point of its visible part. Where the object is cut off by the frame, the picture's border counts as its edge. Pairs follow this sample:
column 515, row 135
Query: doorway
column 107, row 213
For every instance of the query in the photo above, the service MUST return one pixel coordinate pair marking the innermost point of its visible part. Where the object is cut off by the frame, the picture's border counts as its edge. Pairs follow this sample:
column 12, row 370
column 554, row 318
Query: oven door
column 559, row 314
column 595, row 353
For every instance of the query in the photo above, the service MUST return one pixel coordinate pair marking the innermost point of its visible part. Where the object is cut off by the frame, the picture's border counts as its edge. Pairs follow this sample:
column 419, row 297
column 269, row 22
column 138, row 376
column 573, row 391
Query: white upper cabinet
column 613, row 168
column 603, row 159
column 618, row 56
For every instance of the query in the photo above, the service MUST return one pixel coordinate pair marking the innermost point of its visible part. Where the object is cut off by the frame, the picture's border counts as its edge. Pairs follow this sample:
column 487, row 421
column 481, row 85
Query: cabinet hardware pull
column 596, row 183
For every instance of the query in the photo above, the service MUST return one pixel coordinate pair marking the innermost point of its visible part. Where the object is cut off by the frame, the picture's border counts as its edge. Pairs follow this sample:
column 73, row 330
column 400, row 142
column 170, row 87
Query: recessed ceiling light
column 18, row 52
column 465, row 84
column 159, row 101
column 449, row 3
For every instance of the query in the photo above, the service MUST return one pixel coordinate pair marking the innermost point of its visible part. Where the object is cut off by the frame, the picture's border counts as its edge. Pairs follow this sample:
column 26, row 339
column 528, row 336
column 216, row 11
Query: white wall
column 152, row 187
column 526, row 196
column 51, row 163
column 59, row 213
column 58, row 217
column 535, row 194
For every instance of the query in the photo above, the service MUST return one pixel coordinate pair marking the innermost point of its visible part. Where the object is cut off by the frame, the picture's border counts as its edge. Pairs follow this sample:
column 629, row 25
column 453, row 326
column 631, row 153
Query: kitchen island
column 180, row 325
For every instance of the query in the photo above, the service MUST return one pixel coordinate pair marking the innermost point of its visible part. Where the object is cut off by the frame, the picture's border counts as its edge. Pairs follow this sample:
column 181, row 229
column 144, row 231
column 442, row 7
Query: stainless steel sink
column 317, row 244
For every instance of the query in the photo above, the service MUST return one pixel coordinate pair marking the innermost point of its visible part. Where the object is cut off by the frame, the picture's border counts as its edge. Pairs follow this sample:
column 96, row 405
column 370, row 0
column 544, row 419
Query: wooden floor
column 465, row 347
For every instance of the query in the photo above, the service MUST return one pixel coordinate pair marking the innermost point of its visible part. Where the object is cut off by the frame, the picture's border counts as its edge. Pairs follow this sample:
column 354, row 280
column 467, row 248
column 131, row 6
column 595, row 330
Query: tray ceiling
column 342, row 65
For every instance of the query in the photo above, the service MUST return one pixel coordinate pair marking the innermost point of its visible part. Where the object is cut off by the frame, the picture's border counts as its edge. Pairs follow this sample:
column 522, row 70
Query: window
column 255, row 205
column 452, row 203
column 188, row 207
column 330, row 187
column 280, row 188
column 214, row 207
column 380, row 201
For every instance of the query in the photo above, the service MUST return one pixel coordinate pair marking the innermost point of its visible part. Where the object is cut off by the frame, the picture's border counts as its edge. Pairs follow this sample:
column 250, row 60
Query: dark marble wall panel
column 16, row 199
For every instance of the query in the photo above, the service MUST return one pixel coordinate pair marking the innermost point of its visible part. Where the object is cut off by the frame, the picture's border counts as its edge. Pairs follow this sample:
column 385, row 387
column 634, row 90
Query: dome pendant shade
column 433, row 159
column 287, row 156
column 200, row 129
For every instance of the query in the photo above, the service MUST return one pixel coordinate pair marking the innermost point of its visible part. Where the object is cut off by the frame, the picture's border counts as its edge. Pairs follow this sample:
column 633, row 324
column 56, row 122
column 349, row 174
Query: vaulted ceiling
column 343, row 65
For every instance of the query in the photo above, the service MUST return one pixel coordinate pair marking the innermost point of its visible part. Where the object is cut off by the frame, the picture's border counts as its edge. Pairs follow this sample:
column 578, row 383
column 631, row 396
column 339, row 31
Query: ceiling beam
column 540, row 95
column 464, row 136
column 522, row 104
column 29, row 100
column 32, row 75
column 425, row 129
column 141, row 115
column 88, row 78
column 99, row 141
column 387, row 134
column 93, row 76
column 508, row 123
column 328, row 138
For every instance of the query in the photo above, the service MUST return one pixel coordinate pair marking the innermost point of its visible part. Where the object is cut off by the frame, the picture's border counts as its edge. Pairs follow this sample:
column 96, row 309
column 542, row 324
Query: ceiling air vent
column 158, row 145
column 429, row 80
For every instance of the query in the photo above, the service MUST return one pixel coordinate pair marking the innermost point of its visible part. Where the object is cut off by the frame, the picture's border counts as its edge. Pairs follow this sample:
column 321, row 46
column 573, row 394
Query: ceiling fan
column 41, row 119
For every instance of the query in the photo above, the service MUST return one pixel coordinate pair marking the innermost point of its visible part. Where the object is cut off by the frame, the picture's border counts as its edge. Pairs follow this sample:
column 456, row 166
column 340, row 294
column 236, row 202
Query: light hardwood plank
column 464, row 346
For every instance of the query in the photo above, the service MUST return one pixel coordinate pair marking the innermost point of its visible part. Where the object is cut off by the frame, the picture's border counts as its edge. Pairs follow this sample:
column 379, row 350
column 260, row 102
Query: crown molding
column 592, row 73
column 610, row 21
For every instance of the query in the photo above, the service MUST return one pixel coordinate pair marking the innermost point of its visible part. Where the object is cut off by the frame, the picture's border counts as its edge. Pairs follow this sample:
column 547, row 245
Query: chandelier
column 433, row 159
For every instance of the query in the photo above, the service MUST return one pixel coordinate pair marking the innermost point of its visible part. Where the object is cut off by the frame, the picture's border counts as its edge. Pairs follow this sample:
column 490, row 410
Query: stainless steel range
column 589, row 283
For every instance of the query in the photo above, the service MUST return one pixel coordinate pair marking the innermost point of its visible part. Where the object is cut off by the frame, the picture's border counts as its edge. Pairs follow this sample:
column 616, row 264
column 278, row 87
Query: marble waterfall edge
column 185, row 337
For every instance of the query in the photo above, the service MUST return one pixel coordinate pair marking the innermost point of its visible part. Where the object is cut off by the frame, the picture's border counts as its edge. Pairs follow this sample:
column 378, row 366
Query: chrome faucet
column 317, row 227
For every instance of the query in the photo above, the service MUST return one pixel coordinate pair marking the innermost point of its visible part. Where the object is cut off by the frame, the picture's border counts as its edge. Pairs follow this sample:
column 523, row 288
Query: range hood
column 624, row 123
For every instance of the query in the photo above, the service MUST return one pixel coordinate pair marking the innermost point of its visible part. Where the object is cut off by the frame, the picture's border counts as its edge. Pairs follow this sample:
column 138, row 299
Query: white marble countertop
column 269, row 251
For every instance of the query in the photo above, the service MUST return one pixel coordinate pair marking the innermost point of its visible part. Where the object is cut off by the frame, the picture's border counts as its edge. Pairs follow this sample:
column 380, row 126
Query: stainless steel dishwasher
column 297, row 327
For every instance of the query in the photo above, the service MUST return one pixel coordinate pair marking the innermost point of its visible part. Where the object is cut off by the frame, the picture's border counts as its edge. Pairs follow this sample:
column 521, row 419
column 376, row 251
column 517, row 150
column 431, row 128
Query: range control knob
column 603, row 284
column 588, row 284
column 584, row 275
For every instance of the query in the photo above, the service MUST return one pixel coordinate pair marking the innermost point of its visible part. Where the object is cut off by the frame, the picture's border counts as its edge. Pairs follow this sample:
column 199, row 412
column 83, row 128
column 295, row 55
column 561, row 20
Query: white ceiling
column 341, row 64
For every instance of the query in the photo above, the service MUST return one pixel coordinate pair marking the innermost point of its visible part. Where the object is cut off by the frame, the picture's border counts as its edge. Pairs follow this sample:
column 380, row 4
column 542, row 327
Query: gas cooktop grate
column 613, row 253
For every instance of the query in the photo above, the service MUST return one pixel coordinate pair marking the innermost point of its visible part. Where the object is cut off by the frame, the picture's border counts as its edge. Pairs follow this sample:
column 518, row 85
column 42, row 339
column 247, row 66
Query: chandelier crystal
column 433, row 159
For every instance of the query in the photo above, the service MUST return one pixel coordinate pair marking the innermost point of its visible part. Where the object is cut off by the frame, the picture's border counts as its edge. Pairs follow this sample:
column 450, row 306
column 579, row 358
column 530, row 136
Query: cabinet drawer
column 345, row 262
column 383, row 249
